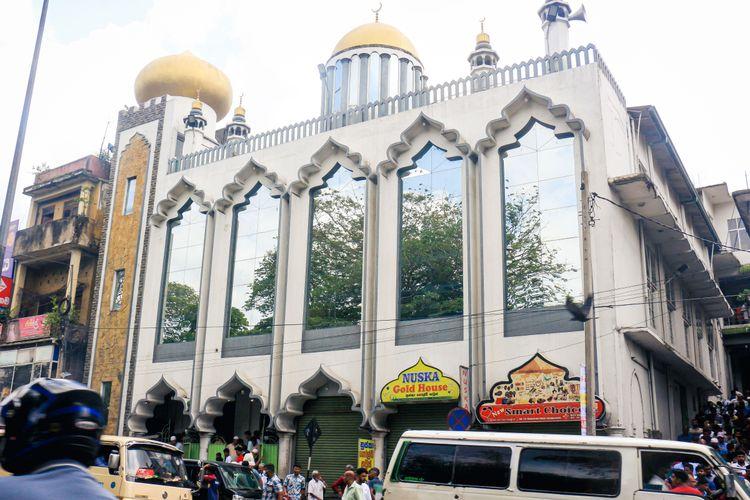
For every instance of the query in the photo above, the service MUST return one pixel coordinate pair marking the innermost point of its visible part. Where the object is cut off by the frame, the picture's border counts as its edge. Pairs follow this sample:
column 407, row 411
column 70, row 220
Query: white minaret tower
column 483, row 58
column 195, row 124
column 556, row 16
column 238, row 129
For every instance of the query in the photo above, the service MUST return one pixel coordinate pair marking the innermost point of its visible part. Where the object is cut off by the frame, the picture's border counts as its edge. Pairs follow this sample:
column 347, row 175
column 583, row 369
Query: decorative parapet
column 446, row 91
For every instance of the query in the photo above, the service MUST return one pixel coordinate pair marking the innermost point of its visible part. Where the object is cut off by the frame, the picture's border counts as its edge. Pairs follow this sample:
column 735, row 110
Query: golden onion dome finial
column 240, row 110
column 482, row 36
column 377, row 11
column 197, row 104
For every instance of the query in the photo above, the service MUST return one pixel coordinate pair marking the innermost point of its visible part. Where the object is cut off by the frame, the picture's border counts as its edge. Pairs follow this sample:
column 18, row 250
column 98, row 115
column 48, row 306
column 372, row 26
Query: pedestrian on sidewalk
column 353, row 490
column 339, row 485
column 316, row 487
column 294, row 484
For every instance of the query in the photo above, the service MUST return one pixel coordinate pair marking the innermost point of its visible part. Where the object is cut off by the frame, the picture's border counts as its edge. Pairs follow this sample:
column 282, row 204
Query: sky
column 687, row 58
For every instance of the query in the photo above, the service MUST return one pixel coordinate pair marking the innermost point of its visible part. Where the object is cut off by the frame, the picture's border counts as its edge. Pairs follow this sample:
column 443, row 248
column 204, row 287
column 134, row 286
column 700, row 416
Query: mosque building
column 407, row 251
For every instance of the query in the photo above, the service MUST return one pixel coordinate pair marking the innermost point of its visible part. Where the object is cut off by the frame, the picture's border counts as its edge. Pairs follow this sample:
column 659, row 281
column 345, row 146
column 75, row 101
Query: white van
column 438, row 465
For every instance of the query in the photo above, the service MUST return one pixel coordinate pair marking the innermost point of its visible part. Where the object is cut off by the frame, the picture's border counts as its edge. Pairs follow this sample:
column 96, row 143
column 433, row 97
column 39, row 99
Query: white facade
column 651, row 375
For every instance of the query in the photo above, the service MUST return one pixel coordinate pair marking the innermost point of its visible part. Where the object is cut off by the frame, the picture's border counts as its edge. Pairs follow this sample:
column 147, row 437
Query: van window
column 427, row 463
column 102, row 457
column 568, row 471
column 482, row 466
column 656, row 466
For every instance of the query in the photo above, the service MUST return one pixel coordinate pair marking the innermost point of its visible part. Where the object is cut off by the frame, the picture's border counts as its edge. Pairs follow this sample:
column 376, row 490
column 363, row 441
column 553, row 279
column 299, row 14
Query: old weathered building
column 55, row 266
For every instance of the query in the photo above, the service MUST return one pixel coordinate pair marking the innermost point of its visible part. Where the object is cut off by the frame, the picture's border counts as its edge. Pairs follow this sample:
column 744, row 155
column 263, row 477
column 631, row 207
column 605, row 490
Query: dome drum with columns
column 370, row 63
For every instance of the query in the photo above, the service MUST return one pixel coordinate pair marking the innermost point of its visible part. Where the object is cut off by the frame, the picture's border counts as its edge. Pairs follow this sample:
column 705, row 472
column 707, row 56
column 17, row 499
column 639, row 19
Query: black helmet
column 50, row 419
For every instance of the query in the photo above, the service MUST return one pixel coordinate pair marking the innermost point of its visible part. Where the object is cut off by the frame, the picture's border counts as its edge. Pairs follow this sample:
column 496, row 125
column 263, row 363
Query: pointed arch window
column 431, row 249
column 334, row 280
column 182, row 276
column 252, row 273
column 542, row 259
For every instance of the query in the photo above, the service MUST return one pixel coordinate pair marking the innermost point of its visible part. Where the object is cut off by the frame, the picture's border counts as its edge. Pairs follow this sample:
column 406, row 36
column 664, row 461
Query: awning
column 666, row 354
column 637, row 193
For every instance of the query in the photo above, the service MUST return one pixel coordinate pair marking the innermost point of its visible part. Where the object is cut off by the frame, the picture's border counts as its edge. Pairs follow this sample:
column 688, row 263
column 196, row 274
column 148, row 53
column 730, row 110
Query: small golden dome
column 183, row 75
column 197, row 104
column 375, row 34
column 239, row 111
column 483, row 37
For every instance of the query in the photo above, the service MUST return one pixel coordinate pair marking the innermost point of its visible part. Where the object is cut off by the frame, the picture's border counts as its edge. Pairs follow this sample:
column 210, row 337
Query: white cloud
column 683, row 57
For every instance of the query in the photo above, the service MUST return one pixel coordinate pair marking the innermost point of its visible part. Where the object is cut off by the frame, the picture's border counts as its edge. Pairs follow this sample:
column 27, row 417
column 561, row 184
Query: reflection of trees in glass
column 542, row 254
column 431, row 256
column 334, row 296
column 255, row 234
column 180, row 313
column 533, row 275
column 260, row 297
column 431, row 260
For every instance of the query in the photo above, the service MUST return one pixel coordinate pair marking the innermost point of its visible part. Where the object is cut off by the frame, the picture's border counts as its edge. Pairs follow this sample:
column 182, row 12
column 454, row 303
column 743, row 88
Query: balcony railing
column 446, row 91
column 54, row 237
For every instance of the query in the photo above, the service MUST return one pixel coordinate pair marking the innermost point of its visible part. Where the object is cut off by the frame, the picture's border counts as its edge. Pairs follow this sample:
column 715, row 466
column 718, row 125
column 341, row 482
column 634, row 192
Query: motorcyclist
column 52, row 430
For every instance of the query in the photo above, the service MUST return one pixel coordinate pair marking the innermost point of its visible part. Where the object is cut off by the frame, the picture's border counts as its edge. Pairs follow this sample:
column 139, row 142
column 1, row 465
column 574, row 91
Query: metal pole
column 13, row 180
column 588, row 291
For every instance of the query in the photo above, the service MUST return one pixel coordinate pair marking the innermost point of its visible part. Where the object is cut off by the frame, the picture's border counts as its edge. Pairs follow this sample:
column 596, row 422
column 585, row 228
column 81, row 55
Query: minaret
column 483, row 58
column 238, row 130
column 556, row 16
column 194, row 125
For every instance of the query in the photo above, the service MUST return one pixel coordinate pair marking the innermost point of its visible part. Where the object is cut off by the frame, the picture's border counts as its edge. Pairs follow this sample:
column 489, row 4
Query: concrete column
column 18, row 283
column 381, row 460
column 200, row 331
column 286, row 445
column 74, row 267
column 204, row 441
column 330, row 80
column 369, row 289
column 402, row 75
column 277, row 351
column 385, row 63
column 364, row 75
column 345, row 76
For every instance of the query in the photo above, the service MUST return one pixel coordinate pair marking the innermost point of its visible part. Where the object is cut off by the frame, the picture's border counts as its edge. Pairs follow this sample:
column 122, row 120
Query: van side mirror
column 113, row 463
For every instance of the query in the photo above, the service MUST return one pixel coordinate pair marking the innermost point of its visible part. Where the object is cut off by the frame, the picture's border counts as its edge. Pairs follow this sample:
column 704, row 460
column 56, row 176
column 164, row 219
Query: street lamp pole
column 15, row 167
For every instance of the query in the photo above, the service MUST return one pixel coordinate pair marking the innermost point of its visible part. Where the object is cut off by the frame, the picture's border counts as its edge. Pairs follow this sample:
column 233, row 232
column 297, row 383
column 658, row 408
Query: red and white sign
column 537, row 391
column 6, row 290
column 27, row 328
column 465, row 403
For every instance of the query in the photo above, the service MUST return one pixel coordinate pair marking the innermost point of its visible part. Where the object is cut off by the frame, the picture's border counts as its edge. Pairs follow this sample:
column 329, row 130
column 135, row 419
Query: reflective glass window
column 569, row 471
column 482, row 467
column 542, row 251
column 426, row 463
column 431, row 251
column 334, row 282
column 181, row 288
column 253, row 268
column 129, row 202
column 354, row 75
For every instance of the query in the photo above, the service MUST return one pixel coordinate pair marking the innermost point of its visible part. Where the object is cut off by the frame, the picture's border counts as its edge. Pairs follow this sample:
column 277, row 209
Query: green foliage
column 55, row 320
column 260, row 298
column 533, row 275
column 431, row 256
column 180, row 315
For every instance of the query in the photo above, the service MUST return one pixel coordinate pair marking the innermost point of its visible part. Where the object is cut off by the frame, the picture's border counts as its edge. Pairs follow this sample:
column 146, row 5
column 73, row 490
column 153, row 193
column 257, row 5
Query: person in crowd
column 294, row 484
column 219, row 458
column 262, row 472
column 272, row 488
column 376, row 484
column 176, row 443
column 209, row 489
column 362, row 481
column 255, row 439
column 739, row 465
column 239, row 453
column 233, row 445
column 227, row 455
column 352, row 491
column 680, row 483
column 339, row 485
column 52, row 431
column 316, row 487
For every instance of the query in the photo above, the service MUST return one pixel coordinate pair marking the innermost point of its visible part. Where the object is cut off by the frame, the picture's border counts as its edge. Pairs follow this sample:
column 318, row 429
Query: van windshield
column 237, row 477
column 154, row 465
column 741, row 482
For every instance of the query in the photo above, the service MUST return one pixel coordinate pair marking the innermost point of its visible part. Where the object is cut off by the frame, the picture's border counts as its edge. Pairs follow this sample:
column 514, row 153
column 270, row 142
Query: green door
column 415, row 417
column 337, row 445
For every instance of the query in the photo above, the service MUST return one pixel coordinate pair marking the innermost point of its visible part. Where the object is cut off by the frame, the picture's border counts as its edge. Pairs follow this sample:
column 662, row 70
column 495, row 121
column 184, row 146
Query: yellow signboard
column 365, row 453
column 420, row 382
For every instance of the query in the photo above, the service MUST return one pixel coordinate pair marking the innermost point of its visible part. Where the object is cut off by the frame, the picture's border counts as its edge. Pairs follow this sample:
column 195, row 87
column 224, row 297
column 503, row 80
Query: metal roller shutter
column 416, row 417
column 337, row 445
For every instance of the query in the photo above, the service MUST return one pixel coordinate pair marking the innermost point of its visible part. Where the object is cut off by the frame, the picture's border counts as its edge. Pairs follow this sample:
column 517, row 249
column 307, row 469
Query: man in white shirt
column 315, row 487
column 362, row 477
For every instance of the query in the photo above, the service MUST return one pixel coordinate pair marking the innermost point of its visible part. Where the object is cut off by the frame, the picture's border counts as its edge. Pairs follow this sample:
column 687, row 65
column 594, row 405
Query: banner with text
column 420, row 382
column 365, row 453
column 537, row 391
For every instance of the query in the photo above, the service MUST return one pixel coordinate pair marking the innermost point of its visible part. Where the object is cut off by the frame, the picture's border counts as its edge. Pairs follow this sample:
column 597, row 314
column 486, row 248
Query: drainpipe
column 369, row 324
column 200, row 331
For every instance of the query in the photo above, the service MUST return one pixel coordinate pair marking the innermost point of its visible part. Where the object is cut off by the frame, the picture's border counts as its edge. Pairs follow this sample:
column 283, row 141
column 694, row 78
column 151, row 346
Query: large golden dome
column 376, row 34
column 183, row 75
